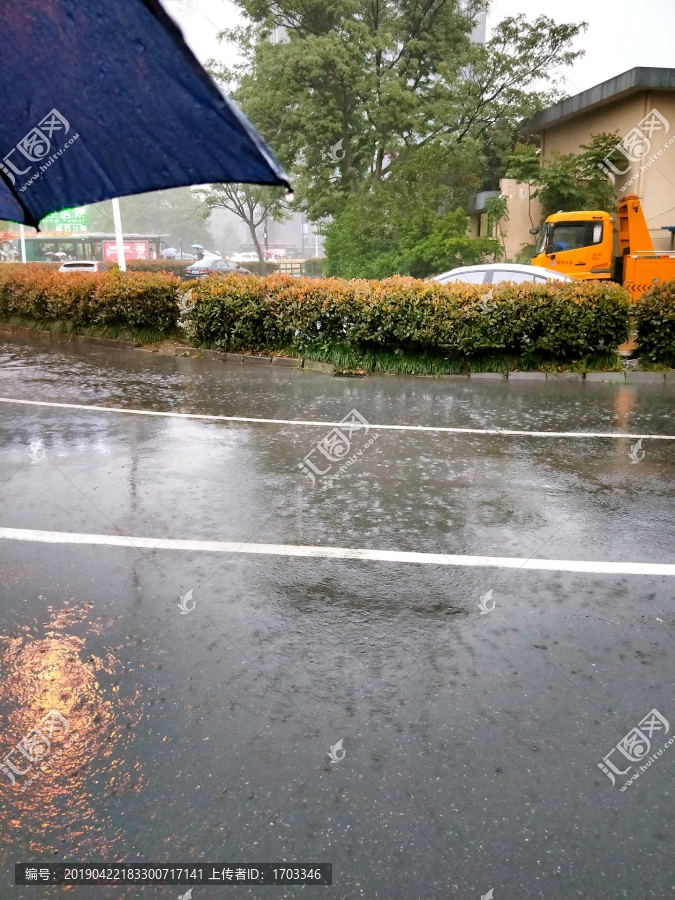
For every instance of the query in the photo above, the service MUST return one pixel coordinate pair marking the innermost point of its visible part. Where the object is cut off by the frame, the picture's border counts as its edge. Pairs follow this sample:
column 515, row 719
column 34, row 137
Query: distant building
column 298, row 235
column 279, row 35
column 479, row 16
column 639, row 105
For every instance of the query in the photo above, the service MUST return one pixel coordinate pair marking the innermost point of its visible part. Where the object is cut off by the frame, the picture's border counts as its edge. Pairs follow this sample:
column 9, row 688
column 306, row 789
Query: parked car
column 213, row 266
column 244, row 257
column 493, row 273
column 83, row 265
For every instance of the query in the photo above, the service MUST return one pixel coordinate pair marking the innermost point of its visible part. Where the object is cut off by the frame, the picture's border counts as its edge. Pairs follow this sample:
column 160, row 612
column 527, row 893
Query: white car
column 243, row 257
column 493, row 273
column 83, row 265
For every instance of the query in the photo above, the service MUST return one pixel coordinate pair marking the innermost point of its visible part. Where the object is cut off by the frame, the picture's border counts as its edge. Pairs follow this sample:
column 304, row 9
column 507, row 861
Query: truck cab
column 579, row 244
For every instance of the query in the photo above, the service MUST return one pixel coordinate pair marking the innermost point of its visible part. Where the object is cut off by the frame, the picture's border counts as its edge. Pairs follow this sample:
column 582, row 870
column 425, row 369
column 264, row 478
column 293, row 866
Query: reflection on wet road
column 431, row 730
column 66, row 728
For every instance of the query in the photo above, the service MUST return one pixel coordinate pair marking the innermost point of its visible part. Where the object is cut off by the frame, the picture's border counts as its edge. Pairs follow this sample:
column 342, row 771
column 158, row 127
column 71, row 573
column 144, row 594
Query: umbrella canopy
column 102, row 99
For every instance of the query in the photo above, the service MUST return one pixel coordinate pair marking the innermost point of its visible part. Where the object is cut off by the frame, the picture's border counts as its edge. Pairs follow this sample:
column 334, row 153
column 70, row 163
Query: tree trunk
column 258, row 249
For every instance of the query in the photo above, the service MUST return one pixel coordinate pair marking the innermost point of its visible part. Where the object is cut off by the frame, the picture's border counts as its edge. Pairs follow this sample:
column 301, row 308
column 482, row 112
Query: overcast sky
column 621, row 33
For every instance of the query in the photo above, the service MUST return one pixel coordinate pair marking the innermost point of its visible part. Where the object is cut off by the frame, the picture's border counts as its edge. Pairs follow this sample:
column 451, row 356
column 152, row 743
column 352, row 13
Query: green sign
column 67, row 220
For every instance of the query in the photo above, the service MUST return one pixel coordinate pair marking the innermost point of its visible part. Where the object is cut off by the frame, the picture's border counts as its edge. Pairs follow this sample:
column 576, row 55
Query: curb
column 645, row 377
column 311, row 366
column 121, row 345
column 564, row 376
column 485, row 376
column 607, row 377
column 287, row 361
column 64, row 337
column 527, row 376
column 318, row 367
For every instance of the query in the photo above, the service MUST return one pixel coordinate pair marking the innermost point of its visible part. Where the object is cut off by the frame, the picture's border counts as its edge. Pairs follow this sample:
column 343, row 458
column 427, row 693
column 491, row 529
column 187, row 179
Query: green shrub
column 310, row 267
column 564, row 320
column 135, row 299
column 174, row 266
column 655, row 319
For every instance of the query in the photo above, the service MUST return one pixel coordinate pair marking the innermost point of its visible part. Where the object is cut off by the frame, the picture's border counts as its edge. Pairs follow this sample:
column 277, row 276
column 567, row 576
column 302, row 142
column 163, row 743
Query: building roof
column 633, row 81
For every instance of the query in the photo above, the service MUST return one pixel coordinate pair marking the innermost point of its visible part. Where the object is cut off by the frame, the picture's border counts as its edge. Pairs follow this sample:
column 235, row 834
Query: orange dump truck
column 594, row 245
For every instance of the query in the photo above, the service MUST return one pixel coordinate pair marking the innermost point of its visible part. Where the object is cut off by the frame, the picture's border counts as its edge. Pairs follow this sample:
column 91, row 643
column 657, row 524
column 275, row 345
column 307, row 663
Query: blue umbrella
column 102, row 99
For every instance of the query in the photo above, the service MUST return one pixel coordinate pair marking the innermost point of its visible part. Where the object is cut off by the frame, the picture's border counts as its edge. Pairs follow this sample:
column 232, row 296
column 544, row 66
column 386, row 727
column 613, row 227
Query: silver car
column 493, row 273
column 83, row 265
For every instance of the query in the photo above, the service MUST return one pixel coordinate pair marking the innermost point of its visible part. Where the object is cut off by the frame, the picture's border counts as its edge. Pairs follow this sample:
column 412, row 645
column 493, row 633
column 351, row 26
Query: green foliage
column 114, row 298
column 655, row 319
column 66, row 327
column 564, row 320
column 348, row 358
column 175, row 266
column 398, row 317
column 387, row 110
column 497, row 212
column 526, row 254
column 403, row 226
column 380, row 80
column 312, row 268
column 448, row 246
column 566, row 182
column 362, row 244
column 525, row 164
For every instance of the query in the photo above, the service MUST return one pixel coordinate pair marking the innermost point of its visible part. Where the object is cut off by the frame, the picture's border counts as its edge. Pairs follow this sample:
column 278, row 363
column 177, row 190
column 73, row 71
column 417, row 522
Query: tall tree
column 358, row 91
column 380, row 78
column 252, row 204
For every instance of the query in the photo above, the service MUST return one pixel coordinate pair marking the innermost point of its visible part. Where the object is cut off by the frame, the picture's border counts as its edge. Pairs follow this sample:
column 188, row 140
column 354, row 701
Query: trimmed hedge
column 134, row 299
column 310, row 267
column 174, row 266
column 564, row 320
column 655, row 320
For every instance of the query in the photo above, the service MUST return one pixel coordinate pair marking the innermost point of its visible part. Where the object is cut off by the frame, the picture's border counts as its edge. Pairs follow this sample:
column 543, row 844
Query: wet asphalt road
column 471, row 741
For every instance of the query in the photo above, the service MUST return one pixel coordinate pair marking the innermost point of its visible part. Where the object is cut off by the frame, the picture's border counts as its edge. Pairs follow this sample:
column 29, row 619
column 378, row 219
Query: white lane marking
column 320, row 424
column 394, row 556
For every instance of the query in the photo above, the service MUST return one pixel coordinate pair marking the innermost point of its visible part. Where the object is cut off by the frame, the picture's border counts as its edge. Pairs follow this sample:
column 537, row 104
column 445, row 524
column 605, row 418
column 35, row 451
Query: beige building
column 639, row 106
